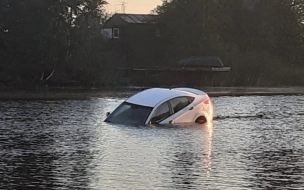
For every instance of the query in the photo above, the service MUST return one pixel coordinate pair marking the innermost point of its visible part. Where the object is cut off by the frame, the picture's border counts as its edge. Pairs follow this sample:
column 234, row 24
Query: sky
column 133, row 6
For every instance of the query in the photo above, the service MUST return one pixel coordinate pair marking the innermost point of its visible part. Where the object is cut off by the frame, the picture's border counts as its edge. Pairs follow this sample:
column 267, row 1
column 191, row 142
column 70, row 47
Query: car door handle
column 191, row 108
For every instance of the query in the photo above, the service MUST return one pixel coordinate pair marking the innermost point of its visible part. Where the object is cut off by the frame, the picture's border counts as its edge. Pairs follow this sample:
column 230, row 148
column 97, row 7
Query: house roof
column 118, row 19
column 200, row 62
column 138, row 18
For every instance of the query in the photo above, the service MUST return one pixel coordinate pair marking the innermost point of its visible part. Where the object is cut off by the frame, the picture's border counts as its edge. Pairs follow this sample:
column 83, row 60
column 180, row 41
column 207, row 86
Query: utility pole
column 123, row 7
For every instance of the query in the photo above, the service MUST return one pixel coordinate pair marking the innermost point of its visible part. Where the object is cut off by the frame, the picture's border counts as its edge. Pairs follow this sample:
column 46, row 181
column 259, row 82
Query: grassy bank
column 126, row 92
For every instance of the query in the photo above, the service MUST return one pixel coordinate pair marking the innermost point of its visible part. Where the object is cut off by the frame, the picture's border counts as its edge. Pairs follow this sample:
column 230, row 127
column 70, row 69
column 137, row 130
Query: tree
column 272, row 26
column 36, row 36
column 253, row 36
column 195, row 27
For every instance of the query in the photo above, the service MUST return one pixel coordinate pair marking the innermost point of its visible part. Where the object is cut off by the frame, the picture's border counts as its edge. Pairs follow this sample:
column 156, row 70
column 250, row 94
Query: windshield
column 128, row 113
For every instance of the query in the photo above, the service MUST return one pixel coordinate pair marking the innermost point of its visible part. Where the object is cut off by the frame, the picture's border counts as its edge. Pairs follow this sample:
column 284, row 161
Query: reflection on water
column 209, row 127
column 254, row 143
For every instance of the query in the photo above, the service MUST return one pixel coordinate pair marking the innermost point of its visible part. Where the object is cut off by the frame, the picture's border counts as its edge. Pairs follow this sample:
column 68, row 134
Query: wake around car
column 164, row 106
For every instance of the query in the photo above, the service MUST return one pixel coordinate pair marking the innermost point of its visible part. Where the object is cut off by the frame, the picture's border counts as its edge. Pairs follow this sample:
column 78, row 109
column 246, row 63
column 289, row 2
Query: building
column 135, row 37
column 121, row 26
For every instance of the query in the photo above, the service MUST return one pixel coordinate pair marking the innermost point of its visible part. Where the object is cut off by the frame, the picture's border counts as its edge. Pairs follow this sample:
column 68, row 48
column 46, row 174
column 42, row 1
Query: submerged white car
column 164, row 106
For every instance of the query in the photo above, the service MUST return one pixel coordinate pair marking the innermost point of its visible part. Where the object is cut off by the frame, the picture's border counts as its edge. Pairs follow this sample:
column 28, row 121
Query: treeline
column 52, row 42
column 262, row 40
column 59, row 43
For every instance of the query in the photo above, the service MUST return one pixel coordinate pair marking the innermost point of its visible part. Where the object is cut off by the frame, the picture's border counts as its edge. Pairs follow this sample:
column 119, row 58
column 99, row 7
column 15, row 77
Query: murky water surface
column 254, row 143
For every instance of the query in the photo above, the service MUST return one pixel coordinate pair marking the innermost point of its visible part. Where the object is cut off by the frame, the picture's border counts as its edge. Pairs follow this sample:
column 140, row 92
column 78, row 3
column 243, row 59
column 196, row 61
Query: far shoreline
column 79, row 94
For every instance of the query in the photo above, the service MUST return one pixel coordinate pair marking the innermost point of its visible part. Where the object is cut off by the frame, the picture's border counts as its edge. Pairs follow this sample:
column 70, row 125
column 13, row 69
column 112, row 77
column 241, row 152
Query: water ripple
column 254, row 142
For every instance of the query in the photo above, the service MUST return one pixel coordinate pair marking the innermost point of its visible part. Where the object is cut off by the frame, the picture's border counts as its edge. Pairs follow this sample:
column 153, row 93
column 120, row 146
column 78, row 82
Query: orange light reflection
column 209, row 136
column 209, row 115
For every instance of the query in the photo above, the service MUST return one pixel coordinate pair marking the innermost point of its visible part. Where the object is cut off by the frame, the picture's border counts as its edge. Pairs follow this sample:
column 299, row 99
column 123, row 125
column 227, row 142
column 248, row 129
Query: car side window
column 161, row 113
column 180, row 103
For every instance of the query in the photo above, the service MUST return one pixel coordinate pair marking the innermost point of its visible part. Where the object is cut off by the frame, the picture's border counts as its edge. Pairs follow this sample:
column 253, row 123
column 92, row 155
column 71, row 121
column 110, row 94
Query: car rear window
column 128, row 113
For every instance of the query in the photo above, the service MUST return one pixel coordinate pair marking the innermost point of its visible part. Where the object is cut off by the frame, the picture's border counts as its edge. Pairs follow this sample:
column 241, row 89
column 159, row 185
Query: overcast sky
column 133, row 6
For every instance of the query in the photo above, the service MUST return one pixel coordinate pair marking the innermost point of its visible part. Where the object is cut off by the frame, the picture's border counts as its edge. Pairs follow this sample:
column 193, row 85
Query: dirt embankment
column 125, row 92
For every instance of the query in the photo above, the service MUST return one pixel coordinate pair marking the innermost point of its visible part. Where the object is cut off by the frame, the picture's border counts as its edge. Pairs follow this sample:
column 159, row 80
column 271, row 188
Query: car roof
column 191, row 90
column 154, row 96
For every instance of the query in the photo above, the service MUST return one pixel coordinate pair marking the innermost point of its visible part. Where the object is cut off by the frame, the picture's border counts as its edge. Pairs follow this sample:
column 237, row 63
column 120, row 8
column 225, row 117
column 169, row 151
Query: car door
column 161, row 114
column 183, row 111
column 172, row 110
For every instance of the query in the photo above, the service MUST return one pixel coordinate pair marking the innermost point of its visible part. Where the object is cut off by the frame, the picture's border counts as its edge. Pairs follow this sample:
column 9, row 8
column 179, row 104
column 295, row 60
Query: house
column 121, row 26
column 135, row 37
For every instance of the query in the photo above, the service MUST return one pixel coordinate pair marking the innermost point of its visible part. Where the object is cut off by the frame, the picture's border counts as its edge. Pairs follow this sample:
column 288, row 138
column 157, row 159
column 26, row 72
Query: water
column 254, row 142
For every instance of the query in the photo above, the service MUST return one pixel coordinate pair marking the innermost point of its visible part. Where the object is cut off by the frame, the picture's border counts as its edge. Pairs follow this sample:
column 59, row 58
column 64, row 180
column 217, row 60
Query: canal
column 254, row 142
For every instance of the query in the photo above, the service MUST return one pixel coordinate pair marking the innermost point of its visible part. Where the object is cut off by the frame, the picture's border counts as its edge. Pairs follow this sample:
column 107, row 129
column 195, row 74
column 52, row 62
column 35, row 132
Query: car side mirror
column 108, row 113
